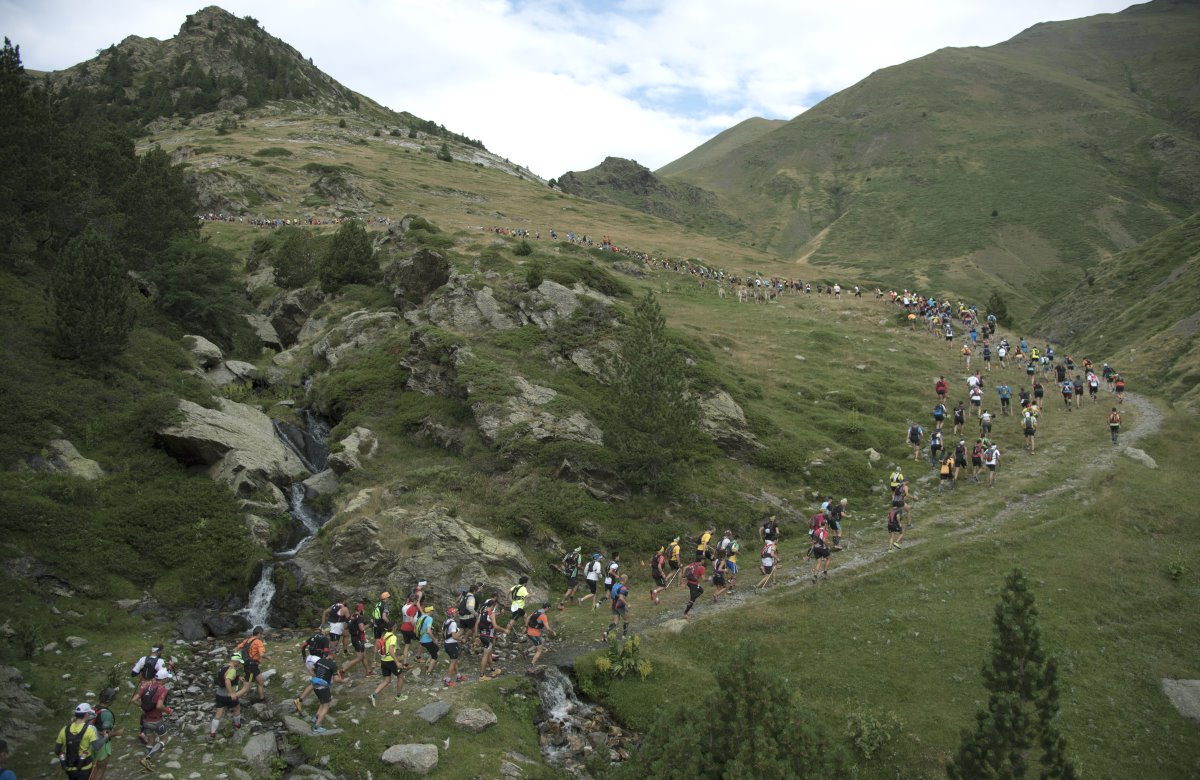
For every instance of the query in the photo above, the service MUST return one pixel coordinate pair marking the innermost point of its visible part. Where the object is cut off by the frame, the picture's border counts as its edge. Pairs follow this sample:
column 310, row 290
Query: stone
column 61, row 455
column 475, row 720
column 872, row 455
column 235, row 441
column 75, row 642
column 205, row 353
column 1185, row 695
column 509, row 769
column 289, row 312
column 190, row 626
column 550, row 303
column 262, row 327
column 346, row 454
column 460, row 307
column 723, row 419
column 320, row 484
column 242, row 371
column 304, row 728
column 357, row 330
column 674, row 626
column 413, row 279
column 434, row 711
column 419, row 759
column 259, row 751
column 221, row 625
column 1141, row 456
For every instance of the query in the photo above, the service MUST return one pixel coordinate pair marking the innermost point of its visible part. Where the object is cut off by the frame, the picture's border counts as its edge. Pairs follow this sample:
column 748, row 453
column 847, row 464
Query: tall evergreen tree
column 350, row 258
column 89, row 290
column 654, row 419
column 1018, row 727
column 159, row 205
column 296, row 258
column 25, row 139
column 198, row 290
column 759, row 731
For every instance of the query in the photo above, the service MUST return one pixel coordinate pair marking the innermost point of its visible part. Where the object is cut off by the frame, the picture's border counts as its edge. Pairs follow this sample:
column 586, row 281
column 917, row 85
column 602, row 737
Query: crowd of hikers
column 419, row 638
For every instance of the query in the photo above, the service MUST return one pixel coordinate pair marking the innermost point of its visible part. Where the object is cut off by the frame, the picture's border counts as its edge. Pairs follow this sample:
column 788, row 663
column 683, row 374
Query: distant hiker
column 895, row 528
column 105, row 722
column 1068, row 393
column 591, row 576
column 720, row 576
column 991, row 459
column 570, row 569
column 388, row 664
column 487, row 635
column 768, row 561
column 424, row 630
column 935, row 448
column 5, row 774
column 1078, row 388
column 769, row 531
column 693, row 575
column 960, row 458
column 356, row 630
column 381, row 615
column 1119, row 387
column 941, row 388
column 619, row 593
column 75, row 744
column 820, row 552
column 1029, row 425
column 836, row 513
column 946, row 473
column 674, row 560
column 468, row 614
column 915, row 432
column 1005, row 393
column 939, row 415
column 658, row 573
column 538, row 622
column 337, row 614
column 985, row 423
column 229, row 690
column 145, row 669
column 1114, row 424
column 253, row 649
column 702, row 548
column 154, row 707
column 731, row 563
column 311, row 650
column 610, row 576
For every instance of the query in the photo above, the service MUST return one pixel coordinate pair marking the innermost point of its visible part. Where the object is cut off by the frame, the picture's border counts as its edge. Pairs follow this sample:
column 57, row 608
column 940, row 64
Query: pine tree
column 89, row 290
column 296, row 258
column 654, row 420
column 757, row 731
column 159, row 205
column 350, row 258
column 1018, row 724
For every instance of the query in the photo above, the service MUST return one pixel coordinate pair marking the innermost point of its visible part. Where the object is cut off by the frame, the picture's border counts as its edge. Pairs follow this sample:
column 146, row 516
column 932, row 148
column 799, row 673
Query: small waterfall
column 258, row 611
column 310, row 444
column 558, row 697
column 570, row 731
column 300, row 511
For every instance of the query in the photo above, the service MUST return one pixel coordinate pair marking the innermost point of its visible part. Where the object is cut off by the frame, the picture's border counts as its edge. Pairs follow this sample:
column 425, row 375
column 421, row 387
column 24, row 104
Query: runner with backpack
column 424, row 630
column 620, row 606
column 229, row 690
column 145, row 669
column 487, row 636
column 105, row 722
column 820, row 552
column 468, row 617
column 591, row 576
column 720, row 576
column 154, row 711
column 311, row 651
column 570, row 568
column 75, row 744
column 658, row 565
column 408, row 619
column 385, row 648
column 693, row 574
column 895, row 528
column 537, row 623
column 337, row 614
column 1114, row 424
column 915, row 432
column 356, row 629
column 452, row 636
column 325, row 671
column 253, row 649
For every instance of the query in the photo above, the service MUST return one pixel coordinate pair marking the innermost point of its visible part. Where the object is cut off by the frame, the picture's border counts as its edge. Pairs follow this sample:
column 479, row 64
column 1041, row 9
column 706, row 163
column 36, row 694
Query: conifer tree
column 654, row 420
column 758, row 731
column 1018, row 727
column 159, row 205
column 350, row 258
column 89, row 290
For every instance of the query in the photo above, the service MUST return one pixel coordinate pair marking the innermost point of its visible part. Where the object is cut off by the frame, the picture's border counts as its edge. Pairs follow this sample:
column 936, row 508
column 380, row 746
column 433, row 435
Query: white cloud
column 559, row 84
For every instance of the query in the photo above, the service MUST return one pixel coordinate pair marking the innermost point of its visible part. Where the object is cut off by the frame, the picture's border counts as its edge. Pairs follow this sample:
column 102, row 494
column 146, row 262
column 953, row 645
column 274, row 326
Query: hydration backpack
column 71, row 745
column 149, row 667
column 533, row 621
column 147, row 701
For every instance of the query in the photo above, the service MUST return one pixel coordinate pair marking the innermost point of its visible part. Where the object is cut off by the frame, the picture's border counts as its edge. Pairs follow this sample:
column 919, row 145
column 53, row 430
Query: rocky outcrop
column 413, row 279
column 548, row 304
column 235, row 441
column 357, row 330
column 290, row 310
column 320, row 484
column 459, row 306
column 264, row 330
column 432, row 363
column 725, row 422
column 364, row 544
column 527, row 412
column 346, row 455
column 206, row 354
column 18, row 707
column 62, row 456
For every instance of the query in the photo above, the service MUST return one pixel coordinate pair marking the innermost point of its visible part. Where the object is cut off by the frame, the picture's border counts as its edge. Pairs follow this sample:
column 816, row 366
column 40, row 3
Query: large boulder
column 432, row 362
column 259, row 751
column 434, row 711
column 347, row 453
column 528, row 413
column 18, row 708
column 62, row 456
column 221, row 625
column 418, row 759
column 723, row 419
column 235, row 441
column 475, row 720
column 320, row 484
column 357, row 330
column 262, row 327
column 290, row 310
column 548, row 304
column 364, row 543
column 412, row 279
column 190, row 627
column 204, row 352
column 460, row 306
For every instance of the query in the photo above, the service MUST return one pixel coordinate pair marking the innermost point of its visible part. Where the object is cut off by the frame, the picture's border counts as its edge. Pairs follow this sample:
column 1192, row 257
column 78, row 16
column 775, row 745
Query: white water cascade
column 259, row 608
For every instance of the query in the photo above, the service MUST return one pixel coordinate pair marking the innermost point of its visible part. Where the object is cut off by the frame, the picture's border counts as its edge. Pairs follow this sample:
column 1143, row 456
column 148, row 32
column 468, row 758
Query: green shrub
column 534, row 277
column 89, row 292
column 623, row 659
column 523, row 249
column 273, row 151
column 870, row 734
column 350, row 258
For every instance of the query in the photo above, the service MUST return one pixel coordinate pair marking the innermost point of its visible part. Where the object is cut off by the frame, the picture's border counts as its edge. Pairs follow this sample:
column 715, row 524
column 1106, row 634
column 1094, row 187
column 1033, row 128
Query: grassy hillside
column 1006, row 167
column 1138, row 310
column 721, row 144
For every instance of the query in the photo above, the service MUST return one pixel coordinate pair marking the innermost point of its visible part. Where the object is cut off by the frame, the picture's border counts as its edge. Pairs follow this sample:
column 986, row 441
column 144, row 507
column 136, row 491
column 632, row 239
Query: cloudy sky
column 558, row 85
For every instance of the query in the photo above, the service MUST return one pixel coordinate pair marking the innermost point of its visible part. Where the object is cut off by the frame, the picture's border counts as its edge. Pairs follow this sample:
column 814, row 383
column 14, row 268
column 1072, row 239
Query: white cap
column 163, row 674
column 83, row 708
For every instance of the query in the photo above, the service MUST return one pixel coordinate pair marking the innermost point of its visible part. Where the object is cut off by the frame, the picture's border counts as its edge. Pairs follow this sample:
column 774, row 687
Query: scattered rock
column 1141, row 456
column 220, row 625
column 527, row 413
column 261, row 324
column 460, row 307
column 361, row 443
column 434, row 711
column 475, row 720
column 320, row 484
column 509, row 769
column 259, row 751
column 357, row 330
column 873, row 455
column 61, row 455
column 289, row 312
column 1185, row 695
column 304, row 729
column 75, row 642
column 548, row 304
column 418, row 759
column 725, row 422
column 190, row 626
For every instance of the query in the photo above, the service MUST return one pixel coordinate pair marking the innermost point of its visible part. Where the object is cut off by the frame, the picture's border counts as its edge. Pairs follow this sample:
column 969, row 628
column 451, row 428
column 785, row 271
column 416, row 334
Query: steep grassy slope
column 1139, row 310
column 721, row 144
column 1008, row 166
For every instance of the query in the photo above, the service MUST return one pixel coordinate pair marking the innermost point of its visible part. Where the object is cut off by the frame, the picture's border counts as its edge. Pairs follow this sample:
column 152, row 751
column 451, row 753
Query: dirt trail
column 865, row 549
